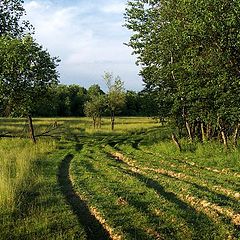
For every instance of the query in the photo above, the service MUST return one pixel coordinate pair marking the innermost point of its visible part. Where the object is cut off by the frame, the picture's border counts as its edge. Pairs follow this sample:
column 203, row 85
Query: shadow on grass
column 197, row 221
column 94, row 230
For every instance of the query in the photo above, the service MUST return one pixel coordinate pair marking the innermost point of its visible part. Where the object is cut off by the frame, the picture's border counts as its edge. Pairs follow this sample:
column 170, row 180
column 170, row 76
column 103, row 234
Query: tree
column 26, row 72
column 11, row 13
column 77, row 96
column 94, row 89
column 95, row 104
column 94, row 108
column 115, row 95
column 132, row 104
column 189, row 52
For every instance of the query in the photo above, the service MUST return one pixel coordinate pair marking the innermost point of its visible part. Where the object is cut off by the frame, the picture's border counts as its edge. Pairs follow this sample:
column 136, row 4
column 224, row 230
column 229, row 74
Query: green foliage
column 189, row 53
column 61, row 101
column 115, row 95
column 26, row 72
column 116, row 92
column 11, row 23
column 96, row 105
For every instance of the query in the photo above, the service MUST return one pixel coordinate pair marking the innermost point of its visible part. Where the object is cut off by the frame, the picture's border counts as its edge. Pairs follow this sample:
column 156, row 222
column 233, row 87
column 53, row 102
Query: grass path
column 209, row 208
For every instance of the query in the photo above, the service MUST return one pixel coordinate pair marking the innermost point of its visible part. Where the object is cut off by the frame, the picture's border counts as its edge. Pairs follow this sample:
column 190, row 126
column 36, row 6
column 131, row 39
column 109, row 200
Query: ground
column 132, row 183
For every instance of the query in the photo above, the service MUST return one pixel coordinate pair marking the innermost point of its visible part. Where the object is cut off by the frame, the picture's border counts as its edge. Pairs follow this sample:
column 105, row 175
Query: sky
column 88, row 36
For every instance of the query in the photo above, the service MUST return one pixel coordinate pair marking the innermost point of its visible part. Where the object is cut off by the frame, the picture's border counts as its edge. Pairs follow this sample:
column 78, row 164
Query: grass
column 144, row 196
column 41, row 211
column 16, row 168
column 81, row 183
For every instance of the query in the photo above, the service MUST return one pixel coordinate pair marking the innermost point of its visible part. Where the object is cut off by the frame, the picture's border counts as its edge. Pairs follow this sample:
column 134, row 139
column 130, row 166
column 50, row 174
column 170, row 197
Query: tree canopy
column 11, row 22
column 189, row 52
column 115, row 94
column 26, row 72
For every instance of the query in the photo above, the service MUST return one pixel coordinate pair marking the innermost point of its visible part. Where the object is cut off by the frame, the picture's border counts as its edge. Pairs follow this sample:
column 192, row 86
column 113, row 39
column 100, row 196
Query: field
column 132, row 183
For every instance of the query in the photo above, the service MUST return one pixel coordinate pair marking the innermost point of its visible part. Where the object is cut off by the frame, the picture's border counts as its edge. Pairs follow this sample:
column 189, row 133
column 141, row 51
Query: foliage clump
column 189, row 53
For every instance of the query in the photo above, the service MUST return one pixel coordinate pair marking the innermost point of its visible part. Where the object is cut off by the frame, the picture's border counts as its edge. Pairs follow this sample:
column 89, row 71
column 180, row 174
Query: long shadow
column 191, row 216
column 94, row 230
column 211, row 175
column 130, row 230
column 219, row 198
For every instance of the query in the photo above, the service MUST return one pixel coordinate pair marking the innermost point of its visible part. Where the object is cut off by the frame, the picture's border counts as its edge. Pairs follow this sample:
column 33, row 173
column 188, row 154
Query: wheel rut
column 93, row 228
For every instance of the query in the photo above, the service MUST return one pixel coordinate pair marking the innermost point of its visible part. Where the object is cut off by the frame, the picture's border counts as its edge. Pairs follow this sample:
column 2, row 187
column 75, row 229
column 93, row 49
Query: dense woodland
column 69, row 100
column 189, row 53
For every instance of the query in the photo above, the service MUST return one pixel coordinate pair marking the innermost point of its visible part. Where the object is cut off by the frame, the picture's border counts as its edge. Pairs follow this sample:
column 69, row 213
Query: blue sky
column 88, row 37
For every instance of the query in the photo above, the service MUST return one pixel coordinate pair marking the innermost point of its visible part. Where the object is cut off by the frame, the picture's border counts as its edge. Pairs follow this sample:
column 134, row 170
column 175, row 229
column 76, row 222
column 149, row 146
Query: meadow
column 131, row 183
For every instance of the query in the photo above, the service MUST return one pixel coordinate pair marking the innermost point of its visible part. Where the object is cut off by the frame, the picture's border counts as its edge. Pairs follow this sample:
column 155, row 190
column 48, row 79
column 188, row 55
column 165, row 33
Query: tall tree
column 115, row 95
column 189, row 52
column 11, row 23
column 26, row 72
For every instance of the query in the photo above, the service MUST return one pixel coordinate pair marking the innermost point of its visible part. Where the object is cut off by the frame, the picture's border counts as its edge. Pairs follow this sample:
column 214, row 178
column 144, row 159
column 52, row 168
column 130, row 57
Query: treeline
column 189, row 52
column 70, row 100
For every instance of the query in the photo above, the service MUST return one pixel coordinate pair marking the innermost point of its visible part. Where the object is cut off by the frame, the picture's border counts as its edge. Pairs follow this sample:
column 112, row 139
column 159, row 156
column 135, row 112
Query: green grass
column 17, row 168
column 132, row 180
column 40, row 211
column 140, row 203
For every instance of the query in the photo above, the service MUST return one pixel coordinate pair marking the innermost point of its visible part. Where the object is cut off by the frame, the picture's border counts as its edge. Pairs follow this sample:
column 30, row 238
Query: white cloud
column 87, row 36
column 33, row 6
column 117, row 7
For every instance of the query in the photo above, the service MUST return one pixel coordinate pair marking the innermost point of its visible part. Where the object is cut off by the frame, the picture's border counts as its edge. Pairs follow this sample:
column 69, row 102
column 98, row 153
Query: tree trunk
column 112, row 120
column 208, row 132
column 223, row 134
column 203, row 132
column 31, row 129
column 100, row 121
column 189, row 131
column 235, row 135
column 175, row 140
column 224, row 138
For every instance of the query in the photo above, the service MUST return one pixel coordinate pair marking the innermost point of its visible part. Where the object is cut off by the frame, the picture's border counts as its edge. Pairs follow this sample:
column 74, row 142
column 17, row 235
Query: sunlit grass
column 159, row 194
column 16, row 167
column 142, row 204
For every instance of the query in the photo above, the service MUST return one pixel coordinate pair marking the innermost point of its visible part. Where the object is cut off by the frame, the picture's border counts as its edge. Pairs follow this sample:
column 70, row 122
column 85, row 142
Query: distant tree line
column 189, row 53
column 70, row 100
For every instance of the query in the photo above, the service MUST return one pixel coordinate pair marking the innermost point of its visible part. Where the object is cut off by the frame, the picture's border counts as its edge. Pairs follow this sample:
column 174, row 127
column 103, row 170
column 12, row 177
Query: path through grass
column 128, row 184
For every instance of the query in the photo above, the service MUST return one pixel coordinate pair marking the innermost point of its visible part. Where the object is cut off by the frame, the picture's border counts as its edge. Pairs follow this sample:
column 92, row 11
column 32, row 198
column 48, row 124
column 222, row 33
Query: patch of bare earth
column 212, row 209
column 179, row 176
column 97, row 215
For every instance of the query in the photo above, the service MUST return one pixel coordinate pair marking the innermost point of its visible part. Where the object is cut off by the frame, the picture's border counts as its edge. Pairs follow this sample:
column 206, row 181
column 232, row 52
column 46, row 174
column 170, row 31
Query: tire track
column 180, row 176
column 199, row 204
column 223, row 171
column 93, row 228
